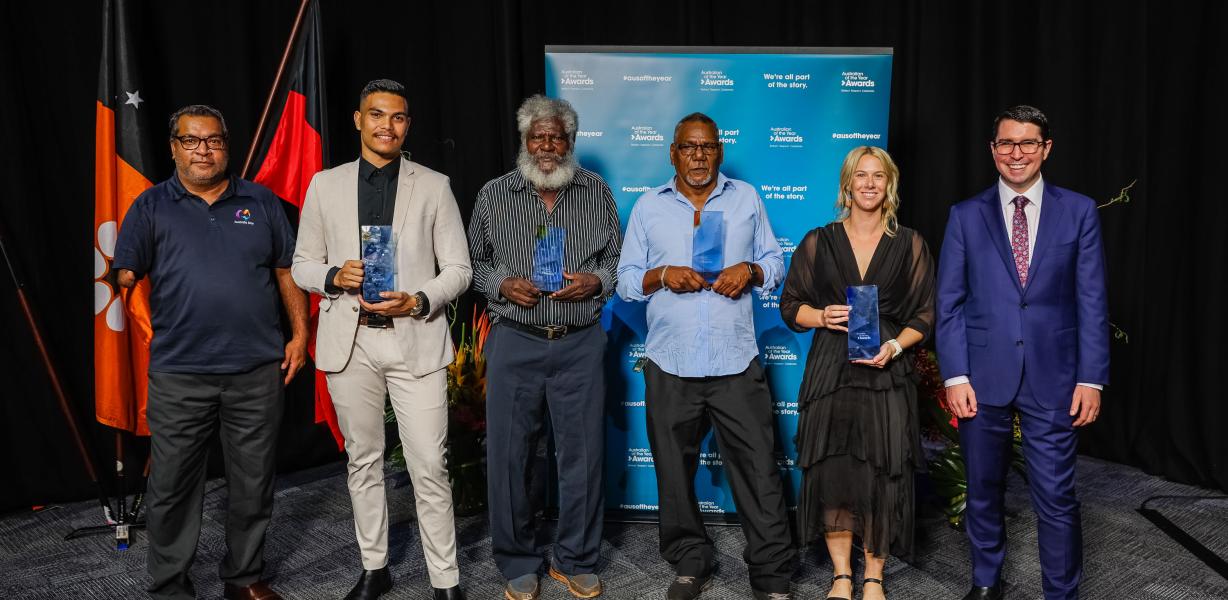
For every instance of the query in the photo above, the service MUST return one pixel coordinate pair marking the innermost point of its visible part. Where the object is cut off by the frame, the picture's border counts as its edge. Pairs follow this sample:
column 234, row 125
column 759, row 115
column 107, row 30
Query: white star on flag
column 134, row 98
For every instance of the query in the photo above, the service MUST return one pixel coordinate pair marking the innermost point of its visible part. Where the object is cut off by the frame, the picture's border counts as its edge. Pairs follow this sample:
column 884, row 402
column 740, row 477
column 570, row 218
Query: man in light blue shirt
column 702, row 359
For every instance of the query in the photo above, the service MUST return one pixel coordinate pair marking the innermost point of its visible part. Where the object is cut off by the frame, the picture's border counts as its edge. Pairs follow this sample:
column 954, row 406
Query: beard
column 186, row 173
column 699, row 182
column 553, row 180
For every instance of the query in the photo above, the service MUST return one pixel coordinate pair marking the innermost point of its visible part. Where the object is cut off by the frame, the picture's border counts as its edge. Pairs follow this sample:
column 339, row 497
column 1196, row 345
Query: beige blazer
column 432, row 257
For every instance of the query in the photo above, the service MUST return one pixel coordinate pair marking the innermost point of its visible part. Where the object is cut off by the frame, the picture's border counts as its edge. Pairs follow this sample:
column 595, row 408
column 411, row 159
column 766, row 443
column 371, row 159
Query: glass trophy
column 548, row 258
column 708, row 248
column 864, row 339
column 378, row 262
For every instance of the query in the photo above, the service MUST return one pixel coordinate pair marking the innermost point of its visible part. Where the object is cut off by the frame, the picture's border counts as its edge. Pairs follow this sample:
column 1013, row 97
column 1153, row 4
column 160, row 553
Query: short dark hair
column 197, row 110
column 386, row 86
column 695, row 117
column 1023, row 114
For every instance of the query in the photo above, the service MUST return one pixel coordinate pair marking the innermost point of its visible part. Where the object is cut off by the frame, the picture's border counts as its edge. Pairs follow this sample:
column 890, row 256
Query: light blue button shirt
column 699, row 334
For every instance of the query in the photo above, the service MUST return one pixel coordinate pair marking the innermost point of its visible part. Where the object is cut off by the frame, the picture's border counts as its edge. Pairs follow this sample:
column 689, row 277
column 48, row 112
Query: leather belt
column 546, row 332
column 374, row 321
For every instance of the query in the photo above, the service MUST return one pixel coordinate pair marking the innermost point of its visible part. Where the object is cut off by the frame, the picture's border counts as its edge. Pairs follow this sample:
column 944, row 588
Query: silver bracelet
column 898, row 348
column 663, row 277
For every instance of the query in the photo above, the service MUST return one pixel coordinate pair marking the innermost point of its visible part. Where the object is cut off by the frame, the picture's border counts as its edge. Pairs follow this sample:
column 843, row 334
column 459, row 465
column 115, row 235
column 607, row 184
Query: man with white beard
column 544, row 351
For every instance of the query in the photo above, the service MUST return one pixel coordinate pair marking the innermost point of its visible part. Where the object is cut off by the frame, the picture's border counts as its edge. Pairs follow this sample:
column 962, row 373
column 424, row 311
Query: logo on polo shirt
column 243, row 216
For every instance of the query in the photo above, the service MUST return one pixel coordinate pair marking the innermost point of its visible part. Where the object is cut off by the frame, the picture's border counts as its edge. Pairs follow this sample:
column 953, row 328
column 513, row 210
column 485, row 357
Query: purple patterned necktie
column 1019, row 238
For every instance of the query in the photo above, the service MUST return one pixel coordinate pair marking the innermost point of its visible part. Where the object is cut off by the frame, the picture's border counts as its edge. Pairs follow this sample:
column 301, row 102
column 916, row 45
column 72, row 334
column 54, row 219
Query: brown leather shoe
column 580, row 586
column 256, row 591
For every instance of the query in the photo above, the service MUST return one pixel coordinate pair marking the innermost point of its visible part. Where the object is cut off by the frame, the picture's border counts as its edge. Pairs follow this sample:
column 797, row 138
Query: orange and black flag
column 123, row 163
column 294, row 151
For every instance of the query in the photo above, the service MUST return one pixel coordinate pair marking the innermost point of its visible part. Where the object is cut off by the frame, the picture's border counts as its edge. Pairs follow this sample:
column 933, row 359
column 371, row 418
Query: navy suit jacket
column 990, row 327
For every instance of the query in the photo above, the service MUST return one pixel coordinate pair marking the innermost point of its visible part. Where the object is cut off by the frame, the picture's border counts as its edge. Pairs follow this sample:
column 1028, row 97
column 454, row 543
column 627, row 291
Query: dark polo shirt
column 213, row 292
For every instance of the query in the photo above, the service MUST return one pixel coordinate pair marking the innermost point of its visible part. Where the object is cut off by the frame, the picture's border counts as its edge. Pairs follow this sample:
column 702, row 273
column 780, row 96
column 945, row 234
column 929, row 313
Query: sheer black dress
column 857, row 436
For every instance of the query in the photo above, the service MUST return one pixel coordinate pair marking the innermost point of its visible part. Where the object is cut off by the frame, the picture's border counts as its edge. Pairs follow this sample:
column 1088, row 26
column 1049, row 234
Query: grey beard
column 556, row 179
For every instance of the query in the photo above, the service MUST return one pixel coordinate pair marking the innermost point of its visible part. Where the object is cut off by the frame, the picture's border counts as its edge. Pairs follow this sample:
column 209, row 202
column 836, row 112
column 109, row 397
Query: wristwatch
column 419, row 306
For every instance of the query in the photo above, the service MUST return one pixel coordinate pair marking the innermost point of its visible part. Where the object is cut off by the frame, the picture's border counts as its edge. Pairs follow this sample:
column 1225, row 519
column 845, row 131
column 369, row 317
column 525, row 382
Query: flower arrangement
column 467, row 415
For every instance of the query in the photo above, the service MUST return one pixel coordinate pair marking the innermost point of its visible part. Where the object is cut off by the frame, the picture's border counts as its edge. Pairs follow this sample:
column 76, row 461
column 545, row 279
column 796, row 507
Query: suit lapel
column 991, row 212
column 1051, row 216
column 405, row 191
column 346, row 212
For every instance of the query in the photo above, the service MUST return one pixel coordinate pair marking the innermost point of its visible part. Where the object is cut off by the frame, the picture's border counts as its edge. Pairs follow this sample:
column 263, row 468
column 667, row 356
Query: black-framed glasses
column 191, row 142
column 689, row 149
column 1026, row 146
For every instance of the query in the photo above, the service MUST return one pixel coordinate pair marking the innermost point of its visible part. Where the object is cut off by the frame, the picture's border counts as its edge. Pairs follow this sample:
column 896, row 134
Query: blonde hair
column 891, row 201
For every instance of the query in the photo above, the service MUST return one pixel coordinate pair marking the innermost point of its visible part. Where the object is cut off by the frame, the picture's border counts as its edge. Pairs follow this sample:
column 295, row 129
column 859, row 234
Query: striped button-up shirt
column 502, row 236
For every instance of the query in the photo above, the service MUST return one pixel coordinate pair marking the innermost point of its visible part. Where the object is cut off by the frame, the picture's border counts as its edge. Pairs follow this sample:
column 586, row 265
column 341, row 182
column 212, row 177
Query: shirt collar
column 1034, row 194
column 366, row 170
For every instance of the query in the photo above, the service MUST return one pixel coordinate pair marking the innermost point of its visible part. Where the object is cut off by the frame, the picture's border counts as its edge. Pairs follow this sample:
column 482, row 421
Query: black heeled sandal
column 836, row 578
column 874, row 580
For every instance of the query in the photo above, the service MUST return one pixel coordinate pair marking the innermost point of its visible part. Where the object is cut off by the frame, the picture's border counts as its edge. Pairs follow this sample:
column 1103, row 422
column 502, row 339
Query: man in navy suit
column 1023, row 326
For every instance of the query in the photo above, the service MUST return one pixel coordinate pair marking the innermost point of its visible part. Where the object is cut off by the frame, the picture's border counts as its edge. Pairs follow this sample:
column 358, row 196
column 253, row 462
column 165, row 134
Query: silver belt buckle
column 554, row 332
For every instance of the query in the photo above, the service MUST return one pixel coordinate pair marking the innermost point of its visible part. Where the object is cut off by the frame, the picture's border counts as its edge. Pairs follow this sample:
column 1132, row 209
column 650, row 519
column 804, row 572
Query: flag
column 122, row 162
column 294, row 152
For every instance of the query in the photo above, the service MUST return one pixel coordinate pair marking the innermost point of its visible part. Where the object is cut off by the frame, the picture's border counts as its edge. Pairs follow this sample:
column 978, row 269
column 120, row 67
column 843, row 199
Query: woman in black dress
column 857, row 436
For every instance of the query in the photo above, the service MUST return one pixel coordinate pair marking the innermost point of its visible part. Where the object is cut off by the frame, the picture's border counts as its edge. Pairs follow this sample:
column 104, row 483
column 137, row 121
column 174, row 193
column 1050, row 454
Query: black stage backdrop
column 1130, row 89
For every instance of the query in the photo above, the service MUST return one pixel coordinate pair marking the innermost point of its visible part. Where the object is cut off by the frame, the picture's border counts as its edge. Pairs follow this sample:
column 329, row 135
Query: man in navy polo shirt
column 217, row 250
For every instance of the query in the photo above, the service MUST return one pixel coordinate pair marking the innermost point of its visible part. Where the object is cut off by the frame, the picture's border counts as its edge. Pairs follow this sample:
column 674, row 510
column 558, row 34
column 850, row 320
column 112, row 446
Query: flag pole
column 268, row 103
column 54, row 376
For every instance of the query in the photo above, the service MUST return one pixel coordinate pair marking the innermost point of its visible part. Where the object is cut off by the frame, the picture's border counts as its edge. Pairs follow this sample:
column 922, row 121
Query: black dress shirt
column 377, row 200
column 377, row 192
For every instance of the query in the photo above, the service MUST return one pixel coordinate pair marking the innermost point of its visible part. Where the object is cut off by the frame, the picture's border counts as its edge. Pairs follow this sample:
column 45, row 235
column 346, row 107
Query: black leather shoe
column 993, row 592
column 371, row 585
column 687, row 587
column 452, row 593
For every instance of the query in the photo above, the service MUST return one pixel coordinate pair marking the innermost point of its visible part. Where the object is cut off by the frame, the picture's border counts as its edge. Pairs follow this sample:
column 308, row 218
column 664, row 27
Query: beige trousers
column 377, row 366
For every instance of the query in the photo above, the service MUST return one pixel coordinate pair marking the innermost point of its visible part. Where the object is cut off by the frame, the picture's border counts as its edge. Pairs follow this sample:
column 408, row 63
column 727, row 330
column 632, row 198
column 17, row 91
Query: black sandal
column 873, row 580
column 836, row 578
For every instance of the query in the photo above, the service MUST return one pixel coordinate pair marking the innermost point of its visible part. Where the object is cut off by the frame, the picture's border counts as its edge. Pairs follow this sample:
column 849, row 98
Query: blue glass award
column 379, row 262
column 708, row 248
column 864, row 340
column 548, row 258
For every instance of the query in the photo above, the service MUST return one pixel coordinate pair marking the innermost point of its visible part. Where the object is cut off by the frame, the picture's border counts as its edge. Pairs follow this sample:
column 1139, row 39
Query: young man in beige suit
column 399, row 346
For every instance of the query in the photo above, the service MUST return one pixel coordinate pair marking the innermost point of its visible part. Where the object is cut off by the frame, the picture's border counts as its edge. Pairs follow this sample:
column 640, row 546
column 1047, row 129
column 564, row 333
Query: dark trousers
column 680, row 410
column 1049, row 448
column 525, row 375
column 184, row 411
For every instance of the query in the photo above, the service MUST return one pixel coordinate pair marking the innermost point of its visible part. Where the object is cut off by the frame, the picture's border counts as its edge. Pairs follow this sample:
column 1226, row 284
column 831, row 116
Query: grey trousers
column 184, row 411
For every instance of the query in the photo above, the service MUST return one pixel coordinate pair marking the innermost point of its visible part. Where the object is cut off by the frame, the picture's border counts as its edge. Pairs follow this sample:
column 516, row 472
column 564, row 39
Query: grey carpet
column 311, row 551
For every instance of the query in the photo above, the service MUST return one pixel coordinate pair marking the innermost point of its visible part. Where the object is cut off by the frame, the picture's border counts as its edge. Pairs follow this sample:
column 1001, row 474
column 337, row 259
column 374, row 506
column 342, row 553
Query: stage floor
column 311, row 552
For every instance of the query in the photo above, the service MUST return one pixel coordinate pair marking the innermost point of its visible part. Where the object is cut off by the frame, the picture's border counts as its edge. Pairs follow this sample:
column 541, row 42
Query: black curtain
column 1129, row 87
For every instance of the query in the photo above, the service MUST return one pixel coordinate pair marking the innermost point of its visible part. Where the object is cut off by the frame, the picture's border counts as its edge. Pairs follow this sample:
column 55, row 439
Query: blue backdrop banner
column 787, row 117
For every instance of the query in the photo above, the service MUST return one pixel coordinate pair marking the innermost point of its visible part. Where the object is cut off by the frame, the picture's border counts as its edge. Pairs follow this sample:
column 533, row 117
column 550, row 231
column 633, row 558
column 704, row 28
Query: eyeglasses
column 689, row 149
column 1026, row 146
column 540, row 138
column 190, row 142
